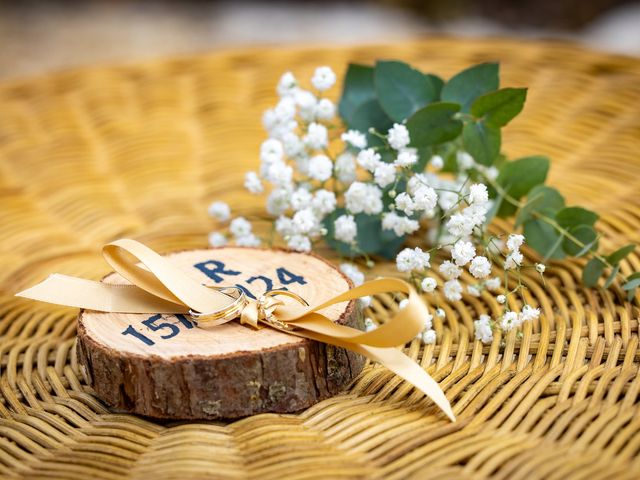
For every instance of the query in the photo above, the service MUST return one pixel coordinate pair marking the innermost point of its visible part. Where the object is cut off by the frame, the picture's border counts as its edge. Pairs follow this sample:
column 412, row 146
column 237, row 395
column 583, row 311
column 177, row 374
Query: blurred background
column 40, row 36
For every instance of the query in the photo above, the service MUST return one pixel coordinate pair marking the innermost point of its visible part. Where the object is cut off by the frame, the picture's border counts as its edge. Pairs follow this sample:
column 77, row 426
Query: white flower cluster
column 377, row 178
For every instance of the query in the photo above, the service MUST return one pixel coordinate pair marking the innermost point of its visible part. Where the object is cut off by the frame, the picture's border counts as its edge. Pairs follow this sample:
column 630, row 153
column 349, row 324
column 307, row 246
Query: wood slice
column 162, row 366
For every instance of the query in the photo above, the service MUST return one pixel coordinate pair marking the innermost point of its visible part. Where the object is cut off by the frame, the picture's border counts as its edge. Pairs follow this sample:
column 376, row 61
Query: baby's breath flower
column 345, row 229
column 501, row 299
column 279, row 173
column 217, row 239
column 305, row 222
column 355, row 138
column 514, row 242
column 278, row 201
column 403, row 303
column 473, row 290
column 345, row 168
column 220, row 211
column 425, row 198
column 406, row 157
column 529, row 313
column 480, row 267
column 361, row 197
column 429, row 337
column 450, row 270
column 398, row 136
column 353, row 273
column 317, row 136
column 325, row 109
column 436, row 162
column 513, row 260
column 249, row 240
column 300, row 243
column 459, row 225
column 483, row 330
column 252, row 183
column 307, row 103
column 465, row 161
column 240, row 227
column 286, row 84
column 385, row 174
column 369, row 325
column 369, row 159
column 428, row 284
column 320, row 168
column 463, row 252
column 478, row 194
column 404, row 203
column 399, row 224
column 301, row 198
column 271, row 150
column 323, row 78
column 447, row 200
column 441, row 313
column 452, row 290
column 284, row 226
column 541, row 267
column 412, row 260
column 324, row 202
column 365, row 302
column 510, row 320
column 493, row 284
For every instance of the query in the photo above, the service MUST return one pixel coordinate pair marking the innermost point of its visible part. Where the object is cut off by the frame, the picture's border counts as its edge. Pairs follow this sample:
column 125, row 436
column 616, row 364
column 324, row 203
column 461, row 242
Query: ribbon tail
column 397, row 362
column 78, row 292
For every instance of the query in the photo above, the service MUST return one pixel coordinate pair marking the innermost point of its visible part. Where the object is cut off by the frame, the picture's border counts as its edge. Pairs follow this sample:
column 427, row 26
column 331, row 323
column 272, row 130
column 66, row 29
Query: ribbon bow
column 158, row 286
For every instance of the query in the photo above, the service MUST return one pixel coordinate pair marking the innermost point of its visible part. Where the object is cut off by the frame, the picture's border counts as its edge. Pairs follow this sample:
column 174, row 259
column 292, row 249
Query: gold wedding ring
column 225, row 314
column 271, row 319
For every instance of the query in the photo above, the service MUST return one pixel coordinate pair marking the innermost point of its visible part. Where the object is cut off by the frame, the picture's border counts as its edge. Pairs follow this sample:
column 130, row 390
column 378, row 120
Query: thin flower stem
column 550, row 221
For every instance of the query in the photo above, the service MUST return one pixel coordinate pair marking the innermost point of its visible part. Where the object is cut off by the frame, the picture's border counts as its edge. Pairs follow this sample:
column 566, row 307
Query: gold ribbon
column 158, row 286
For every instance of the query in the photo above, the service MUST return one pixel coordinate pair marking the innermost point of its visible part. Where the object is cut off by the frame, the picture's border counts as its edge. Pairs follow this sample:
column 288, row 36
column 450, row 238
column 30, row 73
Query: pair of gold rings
column 234, row 310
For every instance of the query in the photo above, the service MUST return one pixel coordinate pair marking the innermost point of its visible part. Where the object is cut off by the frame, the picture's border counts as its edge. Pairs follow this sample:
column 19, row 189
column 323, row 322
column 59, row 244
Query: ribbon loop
column 158, row 286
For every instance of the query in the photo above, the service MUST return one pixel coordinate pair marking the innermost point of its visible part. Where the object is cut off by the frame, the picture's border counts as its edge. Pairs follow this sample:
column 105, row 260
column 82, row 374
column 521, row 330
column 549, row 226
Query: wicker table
column 90, row 155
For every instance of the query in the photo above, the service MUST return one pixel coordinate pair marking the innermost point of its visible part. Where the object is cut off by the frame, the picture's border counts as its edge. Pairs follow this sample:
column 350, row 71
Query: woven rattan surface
column 91, row 155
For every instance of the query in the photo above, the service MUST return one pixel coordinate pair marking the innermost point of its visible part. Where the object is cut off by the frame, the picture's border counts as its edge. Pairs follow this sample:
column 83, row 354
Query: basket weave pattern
column 97, row 154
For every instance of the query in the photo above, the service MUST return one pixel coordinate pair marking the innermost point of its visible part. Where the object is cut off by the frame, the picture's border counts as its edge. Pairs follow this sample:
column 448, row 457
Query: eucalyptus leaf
column 617, row 256
column 403, row 90
column 358, row 88
column 592, row 272
column 518, row 177
column 498, row 108
column 544, row 239
column 370, row 115
column 573, row 216
column 586, row 235
column 540, row 199
column 481, row 142
column 434, row 124
column 612, row 276
column 471, row 83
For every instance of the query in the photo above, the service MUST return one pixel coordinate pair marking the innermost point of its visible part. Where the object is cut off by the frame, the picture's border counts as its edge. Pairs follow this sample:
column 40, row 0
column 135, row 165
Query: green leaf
column 592, row 272
column 471, row 83
column 632, row 283
column 481, row 142
column 500, row 107
column 585, row 234
column 544, row 239
column 370, row 115
column 612, row 276
column 541, row 199
column 573, row 216
column 617, row 256
column 518, row 177
column 402, row 90
column 434, row 124
column 358, row 89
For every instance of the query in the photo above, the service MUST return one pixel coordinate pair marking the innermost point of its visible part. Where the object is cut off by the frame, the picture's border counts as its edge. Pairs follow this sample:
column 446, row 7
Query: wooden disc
column 162, row 366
